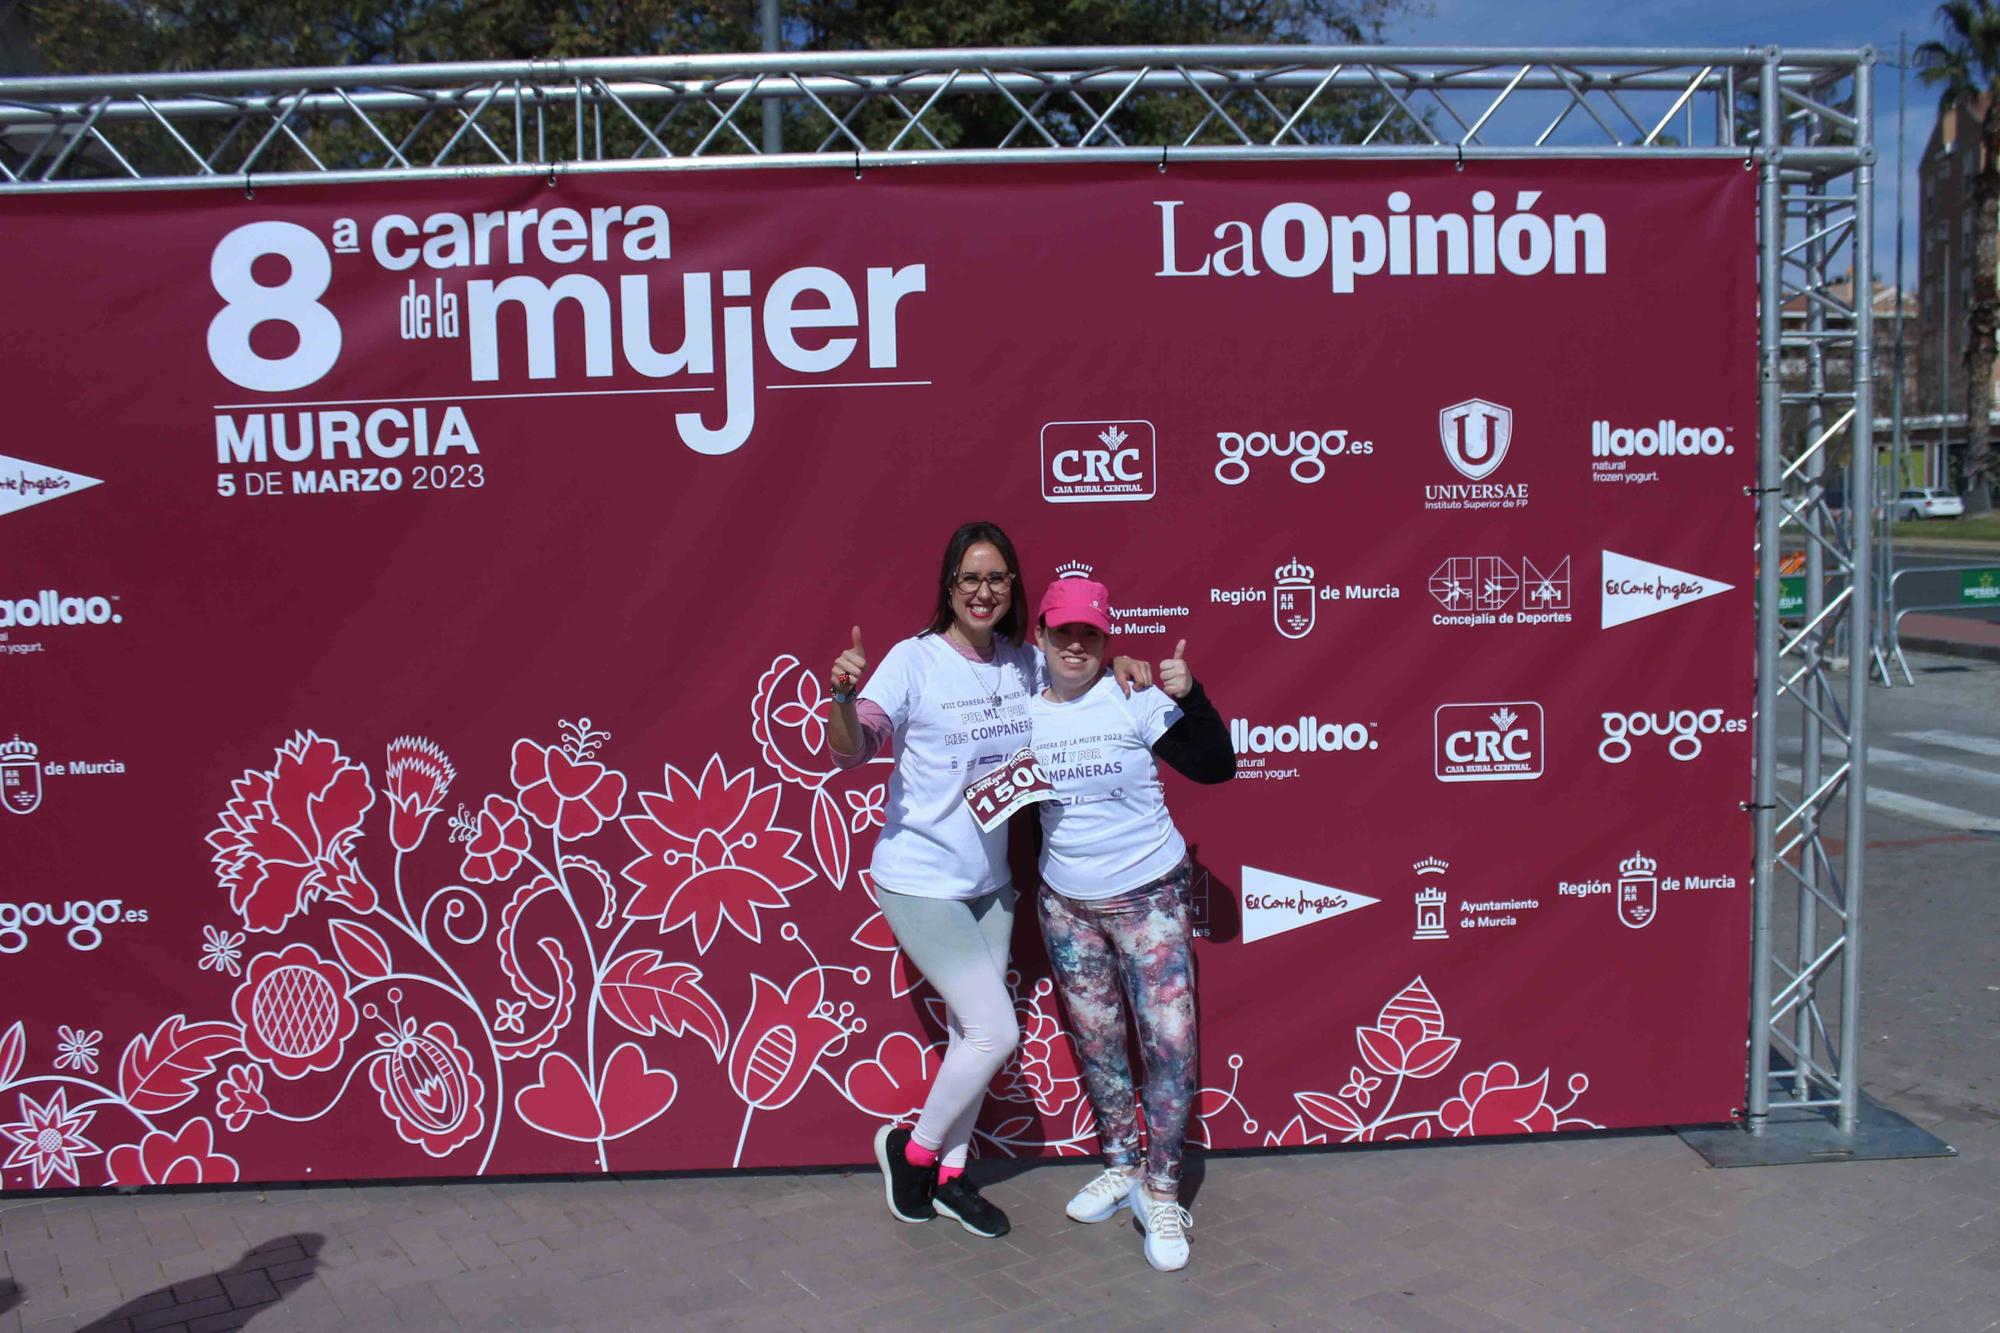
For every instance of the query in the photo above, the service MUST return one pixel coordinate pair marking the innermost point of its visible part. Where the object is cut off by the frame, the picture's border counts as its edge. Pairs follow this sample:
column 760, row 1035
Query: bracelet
column 840, row 698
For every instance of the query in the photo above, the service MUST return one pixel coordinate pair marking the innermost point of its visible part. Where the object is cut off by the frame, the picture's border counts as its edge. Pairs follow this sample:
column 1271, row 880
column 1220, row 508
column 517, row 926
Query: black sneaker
column 907, row 1187
column 956, row 1198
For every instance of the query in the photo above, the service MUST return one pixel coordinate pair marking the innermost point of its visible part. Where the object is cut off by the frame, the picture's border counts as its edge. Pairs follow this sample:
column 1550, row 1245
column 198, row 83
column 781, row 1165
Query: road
column 1933, row 748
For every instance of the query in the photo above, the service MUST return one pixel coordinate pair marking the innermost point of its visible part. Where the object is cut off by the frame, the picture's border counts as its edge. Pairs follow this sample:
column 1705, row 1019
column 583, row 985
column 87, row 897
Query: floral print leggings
column 1140, row 940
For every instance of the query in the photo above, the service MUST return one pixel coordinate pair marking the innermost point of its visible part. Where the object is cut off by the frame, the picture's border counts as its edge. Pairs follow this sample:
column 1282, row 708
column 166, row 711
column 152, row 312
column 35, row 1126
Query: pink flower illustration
column 295, row 1011
column 1408, row 1037
column 788, row 720
column 416, row 777
column 427, row 1086
column 287, row 835
column 48, row 1138
column 1498, row 1101
column 1043, row 1069
column 184, row 1157
column 865, row 809
column 782, row 1040
column 240, row 1096
column 494, row 843
column 1359, row 1085
column 563, row 787
column 712, row 853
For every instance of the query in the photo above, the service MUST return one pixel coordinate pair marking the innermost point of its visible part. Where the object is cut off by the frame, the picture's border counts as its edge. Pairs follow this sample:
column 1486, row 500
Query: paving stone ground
column 1623, row 1230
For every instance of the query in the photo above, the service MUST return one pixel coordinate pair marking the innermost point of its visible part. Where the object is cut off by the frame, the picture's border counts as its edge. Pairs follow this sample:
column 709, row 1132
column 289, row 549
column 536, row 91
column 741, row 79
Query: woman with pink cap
column 1114, row 900
column 954, row 702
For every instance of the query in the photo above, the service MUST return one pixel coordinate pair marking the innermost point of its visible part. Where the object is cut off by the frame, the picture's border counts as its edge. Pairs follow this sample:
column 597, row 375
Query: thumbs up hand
column 1175, row 678
column 849, row 667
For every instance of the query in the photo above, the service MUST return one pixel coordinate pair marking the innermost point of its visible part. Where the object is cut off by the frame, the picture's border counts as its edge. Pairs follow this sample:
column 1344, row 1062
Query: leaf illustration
column 1329, row 1111
column 645, row 994
column 830, row 838
column 13, row 1050
column 1379, row 1050
column 364, row 952
column 1414, row 1001
column 1430, row 1055
column 1011, row 1131
column 158, row 1073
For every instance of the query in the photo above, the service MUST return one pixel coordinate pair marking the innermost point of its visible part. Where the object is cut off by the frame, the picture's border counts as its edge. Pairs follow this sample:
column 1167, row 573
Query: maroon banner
column 417, row 599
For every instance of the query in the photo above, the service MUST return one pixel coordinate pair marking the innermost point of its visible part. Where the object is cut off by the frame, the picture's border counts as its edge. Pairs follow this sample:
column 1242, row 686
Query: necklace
column 992, row 692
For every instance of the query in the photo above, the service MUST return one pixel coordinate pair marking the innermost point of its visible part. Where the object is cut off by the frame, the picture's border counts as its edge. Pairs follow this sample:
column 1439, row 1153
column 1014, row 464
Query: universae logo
column 1096, row 461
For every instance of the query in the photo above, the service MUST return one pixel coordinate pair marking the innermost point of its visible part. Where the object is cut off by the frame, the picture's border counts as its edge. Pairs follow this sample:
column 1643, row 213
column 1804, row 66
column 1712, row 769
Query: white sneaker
column 1166, row 1226
column 1102, row 1197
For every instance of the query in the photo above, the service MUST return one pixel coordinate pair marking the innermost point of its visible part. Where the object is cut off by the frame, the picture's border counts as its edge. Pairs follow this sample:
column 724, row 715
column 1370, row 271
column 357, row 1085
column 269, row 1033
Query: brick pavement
column 1623, row 1230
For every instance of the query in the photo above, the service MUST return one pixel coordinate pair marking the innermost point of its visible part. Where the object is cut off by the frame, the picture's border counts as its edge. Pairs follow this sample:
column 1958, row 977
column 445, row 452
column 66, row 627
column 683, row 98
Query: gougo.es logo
column 82, row 920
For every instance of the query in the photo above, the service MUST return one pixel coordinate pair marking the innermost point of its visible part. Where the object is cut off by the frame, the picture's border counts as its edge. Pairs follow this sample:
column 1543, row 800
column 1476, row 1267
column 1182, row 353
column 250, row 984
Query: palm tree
column 1965, row 67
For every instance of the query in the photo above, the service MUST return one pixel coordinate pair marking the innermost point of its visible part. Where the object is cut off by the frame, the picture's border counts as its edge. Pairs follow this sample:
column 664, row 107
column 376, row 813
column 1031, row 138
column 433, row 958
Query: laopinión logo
column 1087, row 461
column 1683, row 728
column 1488, row 742
column 1494, row 590
column 1306, row 450
column 1294, row 596
column 1612, row 447
column 1476, row 435
column 83, row 921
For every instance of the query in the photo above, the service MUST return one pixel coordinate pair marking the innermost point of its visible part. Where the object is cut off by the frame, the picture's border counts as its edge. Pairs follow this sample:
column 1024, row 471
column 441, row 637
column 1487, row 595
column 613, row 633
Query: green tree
column 100, row 36
column 1965, row 67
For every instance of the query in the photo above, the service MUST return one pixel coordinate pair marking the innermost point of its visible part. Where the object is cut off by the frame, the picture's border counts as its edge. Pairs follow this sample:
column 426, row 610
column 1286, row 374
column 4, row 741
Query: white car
column 1929, row 503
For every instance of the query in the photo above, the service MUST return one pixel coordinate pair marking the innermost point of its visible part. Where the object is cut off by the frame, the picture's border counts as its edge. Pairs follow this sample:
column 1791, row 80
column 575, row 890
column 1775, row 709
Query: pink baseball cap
column 1076, row 602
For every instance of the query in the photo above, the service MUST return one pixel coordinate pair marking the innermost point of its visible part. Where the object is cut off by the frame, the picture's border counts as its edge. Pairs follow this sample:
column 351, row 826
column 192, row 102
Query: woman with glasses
column 954, row 699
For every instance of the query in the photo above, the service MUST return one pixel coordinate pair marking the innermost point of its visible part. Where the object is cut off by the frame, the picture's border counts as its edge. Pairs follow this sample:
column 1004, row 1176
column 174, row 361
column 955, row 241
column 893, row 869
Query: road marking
column 1956, row 741
column 1918, row 766
column 1915, row 807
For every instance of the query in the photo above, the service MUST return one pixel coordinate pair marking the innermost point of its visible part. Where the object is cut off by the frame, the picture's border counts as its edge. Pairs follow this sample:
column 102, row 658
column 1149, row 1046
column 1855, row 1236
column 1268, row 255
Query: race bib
column 1018, row 782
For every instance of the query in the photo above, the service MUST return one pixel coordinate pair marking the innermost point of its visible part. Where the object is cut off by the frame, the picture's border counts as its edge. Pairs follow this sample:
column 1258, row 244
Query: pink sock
column 916, row 1154
column 949, row 1172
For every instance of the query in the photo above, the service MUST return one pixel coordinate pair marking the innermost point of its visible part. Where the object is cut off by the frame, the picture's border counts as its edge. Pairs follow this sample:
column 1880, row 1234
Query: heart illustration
column 572, row 781
column 560, row 1102
column 633, row 1095
column 892, row 1085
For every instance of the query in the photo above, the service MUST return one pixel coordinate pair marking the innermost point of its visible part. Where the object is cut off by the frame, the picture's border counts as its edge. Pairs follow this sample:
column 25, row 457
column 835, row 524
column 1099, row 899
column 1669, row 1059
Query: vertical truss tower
column 1802, row 119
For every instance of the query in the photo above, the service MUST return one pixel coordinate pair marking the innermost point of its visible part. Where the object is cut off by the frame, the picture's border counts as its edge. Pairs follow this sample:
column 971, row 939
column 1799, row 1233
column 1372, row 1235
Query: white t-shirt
column 948, row 732
column 1108, row 832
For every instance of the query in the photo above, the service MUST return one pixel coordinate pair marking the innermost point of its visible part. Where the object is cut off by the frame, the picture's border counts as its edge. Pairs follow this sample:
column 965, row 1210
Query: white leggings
column 960, row 945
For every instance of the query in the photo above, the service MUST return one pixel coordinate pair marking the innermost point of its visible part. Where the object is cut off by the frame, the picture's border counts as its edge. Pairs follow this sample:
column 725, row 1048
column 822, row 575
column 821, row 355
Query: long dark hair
column 1014, row 625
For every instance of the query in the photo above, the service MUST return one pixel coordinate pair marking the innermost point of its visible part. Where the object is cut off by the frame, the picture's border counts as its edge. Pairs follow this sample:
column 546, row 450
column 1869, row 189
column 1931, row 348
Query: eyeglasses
column 972, row 583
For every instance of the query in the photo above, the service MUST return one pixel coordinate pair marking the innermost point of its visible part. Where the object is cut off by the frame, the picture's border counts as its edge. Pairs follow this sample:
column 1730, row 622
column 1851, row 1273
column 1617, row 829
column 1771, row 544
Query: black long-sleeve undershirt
column 1198, row 745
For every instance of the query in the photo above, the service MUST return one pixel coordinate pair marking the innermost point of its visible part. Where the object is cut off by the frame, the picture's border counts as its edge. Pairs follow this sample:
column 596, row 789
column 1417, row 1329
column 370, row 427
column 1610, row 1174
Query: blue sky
column 1851, row 23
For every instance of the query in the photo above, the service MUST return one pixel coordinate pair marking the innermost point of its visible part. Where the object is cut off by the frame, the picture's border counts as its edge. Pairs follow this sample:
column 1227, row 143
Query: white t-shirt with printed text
column 1109, row 830
column 948, row 732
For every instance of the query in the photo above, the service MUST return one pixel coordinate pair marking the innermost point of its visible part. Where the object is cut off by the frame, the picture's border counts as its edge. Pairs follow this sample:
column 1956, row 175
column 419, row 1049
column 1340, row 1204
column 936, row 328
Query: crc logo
column 1492, row 742
column 1475, row 435
column 50, row 607
column 1684, row 726
column 85, row 921
column 1308, row 450
column 1084, row 461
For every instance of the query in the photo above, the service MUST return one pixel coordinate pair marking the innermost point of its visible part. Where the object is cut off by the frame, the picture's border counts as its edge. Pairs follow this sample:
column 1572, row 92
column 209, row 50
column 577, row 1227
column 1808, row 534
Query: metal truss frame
column 1801, row 118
